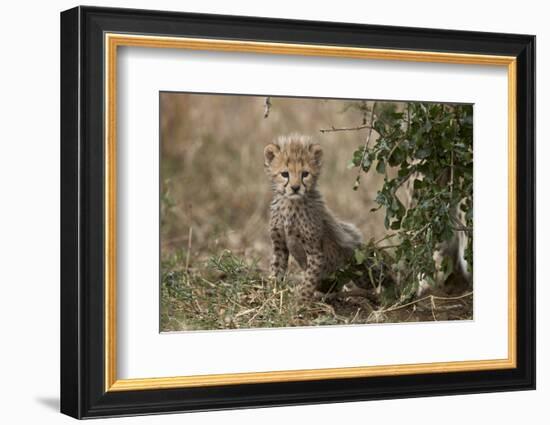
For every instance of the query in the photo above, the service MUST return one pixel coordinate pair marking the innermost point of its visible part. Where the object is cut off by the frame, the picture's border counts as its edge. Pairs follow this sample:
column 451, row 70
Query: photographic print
column 284, row 212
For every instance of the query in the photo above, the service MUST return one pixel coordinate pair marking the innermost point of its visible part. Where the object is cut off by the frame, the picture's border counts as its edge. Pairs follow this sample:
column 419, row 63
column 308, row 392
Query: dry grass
column 215, row 197
column 227, row 292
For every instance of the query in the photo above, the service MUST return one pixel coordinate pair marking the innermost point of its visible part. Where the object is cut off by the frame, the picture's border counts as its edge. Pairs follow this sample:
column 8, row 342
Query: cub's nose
column 295, row 188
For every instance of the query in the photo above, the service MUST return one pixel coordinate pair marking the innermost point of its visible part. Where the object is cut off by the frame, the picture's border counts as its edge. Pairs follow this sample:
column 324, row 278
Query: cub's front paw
column 307, row 293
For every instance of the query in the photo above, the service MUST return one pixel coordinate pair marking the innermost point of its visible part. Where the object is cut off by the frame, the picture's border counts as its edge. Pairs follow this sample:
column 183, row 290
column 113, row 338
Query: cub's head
column 293, row 163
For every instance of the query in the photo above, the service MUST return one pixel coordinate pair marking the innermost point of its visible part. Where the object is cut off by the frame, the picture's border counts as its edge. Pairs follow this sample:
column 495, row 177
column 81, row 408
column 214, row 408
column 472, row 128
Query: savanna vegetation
column 215, row 246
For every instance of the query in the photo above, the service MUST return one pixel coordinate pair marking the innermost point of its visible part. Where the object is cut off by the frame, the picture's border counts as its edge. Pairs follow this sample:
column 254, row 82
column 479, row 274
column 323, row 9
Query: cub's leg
column 314, row 270
column 279, row 260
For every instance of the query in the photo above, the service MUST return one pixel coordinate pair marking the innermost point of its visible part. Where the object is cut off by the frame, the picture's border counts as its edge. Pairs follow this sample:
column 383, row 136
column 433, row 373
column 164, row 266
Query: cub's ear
column 316, row 154
column 270, row 152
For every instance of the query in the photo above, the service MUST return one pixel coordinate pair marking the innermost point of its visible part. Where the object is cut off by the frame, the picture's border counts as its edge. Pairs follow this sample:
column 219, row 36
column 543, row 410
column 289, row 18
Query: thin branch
column 267, row 107
column 428, row 297
column 245, row 312
column 391, row 235
column 359, row 127
column 463, row 229
column 421, row 230
column 366, row 148
column 259, row 309
column 364, row 108
column 459, row 226
column 452, row 170
column 434, row 308
column 405, row 178
column 467, row 294
column 188, row 256
column 356, row 314
column 389, row 246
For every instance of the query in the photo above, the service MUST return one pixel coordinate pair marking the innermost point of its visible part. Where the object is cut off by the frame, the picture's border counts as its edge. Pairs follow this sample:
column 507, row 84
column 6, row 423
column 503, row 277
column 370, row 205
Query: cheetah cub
column 300, row 223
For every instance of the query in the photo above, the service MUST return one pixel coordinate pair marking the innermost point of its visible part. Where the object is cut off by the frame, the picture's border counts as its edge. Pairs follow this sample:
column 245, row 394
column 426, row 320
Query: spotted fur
column 301, row 225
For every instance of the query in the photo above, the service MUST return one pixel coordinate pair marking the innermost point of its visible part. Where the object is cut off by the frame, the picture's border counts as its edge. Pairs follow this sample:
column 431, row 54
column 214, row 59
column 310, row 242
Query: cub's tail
column 352, row 236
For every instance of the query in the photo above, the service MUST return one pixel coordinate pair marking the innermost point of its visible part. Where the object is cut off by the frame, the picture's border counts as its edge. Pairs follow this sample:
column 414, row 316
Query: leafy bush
column 428, row 146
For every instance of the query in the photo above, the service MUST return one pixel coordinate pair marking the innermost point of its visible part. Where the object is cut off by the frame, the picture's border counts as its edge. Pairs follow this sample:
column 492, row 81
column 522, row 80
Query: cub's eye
column 305, row 174
column 285, row 174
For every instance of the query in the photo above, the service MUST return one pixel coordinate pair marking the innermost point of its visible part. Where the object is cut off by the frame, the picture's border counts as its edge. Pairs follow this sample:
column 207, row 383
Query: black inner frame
column 82, row 212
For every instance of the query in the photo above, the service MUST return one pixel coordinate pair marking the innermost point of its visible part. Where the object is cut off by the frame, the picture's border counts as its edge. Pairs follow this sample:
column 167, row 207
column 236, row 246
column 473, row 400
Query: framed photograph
column 261, row 212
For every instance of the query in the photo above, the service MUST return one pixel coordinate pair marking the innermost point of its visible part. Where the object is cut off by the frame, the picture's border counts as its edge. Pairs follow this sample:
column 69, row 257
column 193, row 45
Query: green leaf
column 423, row 153
column 427, row 126
column 418, row 184
column 379, row 127
column 367, row 162
column 381, row 167
column 359, row 256
column 357, row 156
column 402, row 172
column 431, row 281
column 396, row 225
column 397, row 157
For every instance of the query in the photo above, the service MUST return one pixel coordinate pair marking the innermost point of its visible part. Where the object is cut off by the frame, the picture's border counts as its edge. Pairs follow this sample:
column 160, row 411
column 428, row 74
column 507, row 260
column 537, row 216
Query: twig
column 385, row 237
column 359, row 127
column 267, row 106
column 452, row 170
column 428, row 297
column 356, row 314
column 366, row 148
column 327, row 307
column 212, row 285
column 189, row 241
column 421, row 230
column 432, row 302
column 404, row 179
column 259, row 310
column 389, row 246
column 463, row 229
column 459, row 226
column 245, row 312
column 410, row 315
column 364, row 109
column 198, row 306
column 467, row 294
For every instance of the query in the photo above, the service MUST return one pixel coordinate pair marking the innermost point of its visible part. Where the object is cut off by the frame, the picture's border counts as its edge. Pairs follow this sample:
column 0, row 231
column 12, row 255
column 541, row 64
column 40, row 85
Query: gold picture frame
column 89, row 276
